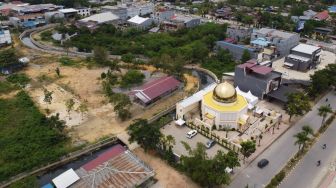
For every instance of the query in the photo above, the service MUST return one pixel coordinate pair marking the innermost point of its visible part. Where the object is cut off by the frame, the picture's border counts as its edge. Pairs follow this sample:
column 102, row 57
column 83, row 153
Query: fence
column 222, row 141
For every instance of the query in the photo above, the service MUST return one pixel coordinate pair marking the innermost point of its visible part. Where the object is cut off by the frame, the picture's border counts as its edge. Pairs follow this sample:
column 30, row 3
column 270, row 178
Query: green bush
column 18, row 79
column 132, row 77
column 6, row 87
column 67, row 61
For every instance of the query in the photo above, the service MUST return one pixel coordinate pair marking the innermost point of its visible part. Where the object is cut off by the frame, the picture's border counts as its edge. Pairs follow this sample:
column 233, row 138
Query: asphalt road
column 306, row 172
column 280, row 151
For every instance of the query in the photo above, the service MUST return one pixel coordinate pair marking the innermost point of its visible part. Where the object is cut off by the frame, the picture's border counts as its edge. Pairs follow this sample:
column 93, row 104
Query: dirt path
column 167, row 176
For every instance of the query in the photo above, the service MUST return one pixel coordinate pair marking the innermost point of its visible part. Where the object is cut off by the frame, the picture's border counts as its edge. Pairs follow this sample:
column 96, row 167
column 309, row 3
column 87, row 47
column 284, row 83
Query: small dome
column 225, row 93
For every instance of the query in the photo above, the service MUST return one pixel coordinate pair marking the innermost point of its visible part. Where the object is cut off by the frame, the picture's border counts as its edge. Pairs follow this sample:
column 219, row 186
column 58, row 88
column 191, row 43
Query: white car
column 191, row 134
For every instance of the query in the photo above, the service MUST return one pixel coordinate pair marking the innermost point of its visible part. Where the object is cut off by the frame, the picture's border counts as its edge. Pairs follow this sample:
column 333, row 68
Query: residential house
column 224, row 12
column 321, row 16
column 239, row 33
column 180, row 21
column 258, row 79
column 140, row 22
column 121, row 12
column 5, row 37
column 283, row 41
column 69, row 12
column 303, row 57
column 84, row 11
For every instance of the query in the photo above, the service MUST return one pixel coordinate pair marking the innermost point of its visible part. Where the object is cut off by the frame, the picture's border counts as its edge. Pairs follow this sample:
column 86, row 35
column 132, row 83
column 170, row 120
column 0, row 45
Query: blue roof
column 29, row 24
column 260, row 42
column 49, row 185
column 332, row 8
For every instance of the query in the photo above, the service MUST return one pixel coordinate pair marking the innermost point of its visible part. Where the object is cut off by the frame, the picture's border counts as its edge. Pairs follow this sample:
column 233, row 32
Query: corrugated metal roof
column 156, row 88
column 109, row 154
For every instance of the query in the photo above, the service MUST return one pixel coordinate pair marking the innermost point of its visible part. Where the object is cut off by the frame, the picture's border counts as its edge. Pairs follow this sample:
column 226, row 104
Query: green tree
column 297, row 104
column 146, row 135
column 303, row 137
column 83, row 108
column 70, row 103
column 247, row 148
column 8, row 57
column 246, row 56
column 58, row 72
column 205, row 171
column 323, row 111
column 132, row 77
column 122, row 104
column 100, row 55
column 47, row 96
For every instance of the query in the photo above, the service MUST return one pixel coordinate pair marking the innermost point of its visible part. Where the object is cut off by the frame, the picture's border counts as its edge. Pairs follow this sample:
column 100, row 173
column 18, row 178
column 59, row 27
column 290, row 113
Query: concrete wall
column 236, row 50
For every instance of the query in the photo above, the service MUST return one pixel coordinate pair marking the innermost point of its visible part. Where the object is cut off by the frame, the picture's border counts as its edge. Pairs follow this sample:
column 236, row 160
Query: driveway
column 280, row 151
column 179, row 133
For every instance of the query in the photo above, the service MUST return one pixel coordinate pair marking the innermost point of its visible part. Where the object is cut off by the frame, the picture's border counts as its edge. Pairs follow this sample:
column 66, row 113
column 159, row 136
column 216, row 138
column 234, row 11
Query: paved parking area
column 179, row 133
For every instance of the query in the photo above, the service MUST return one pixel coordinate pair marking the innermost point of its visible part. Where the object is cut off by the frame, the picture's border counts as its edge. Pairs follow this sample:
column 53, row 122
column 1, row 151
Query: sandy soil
column 167, row 176
column 83, row 85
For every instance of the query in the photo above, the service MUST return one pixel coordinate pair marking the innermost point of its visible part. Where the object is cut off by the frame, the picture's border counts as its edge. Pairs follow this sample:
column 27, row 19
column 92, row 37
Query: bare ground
column 166, row 175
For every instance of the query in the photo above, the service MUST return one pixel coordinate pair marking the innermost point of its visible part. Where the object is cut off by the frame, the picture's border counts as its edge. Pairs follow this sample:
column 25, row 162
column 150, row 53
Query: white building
column 140, row 22
column 5, row 37
column 84, row 11
column 222, row 106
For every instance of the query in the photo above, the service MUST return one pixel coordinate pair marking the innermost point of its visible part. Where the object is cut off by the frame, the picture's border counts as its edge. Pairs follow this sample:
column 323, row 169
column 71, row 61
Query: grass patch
column 28, row 139
column 65, row 61
column 6, row 87
column 19, row 79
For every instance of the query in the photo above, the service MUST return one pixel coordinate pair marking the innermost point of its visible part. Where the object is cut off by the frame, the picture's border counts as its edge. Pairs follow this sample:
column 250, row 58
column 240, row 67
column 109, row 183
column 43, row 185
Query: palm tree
column 323, row 111
column 301, row 139
column 170, row 141
column 307, row 130
column 303, row 136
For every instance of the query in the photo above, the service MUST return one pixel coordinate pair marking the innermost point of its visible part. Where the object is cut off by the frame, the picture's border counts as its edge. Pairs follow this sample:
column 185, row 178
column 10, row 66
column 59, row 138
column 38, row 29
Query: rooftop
column 236, row 106
column 259, row 69
column 275, row 33
column 260, row 41
column 68, row 10
column 156, row 88
column 322, row 15
column 101, row 18
column 120, row 169
column 137, row 20
column 306, row 48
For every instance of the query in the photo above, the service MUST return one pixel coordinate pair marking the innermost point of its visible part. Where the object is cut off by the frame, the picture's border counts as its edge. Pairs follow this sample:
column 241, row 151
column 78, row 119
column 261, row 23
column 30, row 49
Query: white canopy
column 252, row 100
column 180, row 122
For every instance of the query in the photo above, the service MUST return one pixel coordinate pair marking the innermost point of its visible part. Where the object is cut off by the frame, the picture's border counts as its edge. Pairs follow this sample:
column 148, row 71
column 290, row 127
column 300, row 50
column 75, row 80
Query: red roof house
column 153, row 90
column 322, row 15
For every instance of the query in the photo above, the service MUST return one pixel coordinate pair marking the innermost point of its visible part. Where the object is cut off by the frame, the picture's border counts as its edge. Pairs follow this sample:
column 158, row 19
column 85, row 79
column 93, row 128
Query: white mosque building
column 221, row 105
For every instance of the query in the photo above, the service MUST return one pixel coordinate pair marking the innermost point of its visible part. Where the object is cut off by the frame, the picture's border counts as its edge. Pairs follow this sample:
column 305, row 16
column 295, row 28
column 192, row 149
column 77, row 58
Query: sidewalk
column 266, row 141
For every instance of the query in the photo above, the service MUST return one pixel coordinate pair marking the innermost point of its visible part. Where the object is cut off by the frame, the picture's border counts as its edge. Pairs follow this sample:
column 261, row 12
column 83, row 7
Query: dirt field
column 167, row 176
column 83, row 85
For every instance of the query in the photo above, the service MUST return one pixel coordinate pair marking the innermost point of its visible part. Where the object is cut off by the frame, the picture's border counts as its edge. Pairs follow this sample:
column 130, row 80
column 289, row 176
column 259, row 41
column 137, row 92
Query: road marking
column 247, row 176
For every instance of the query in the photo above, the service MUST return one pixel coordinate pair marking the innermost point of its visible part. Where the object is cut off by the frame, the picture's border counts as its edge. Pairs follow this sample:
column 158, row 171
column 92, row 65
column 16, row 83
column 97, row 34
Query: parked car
column 262, row 163
column 210, row 143
column 191, row 134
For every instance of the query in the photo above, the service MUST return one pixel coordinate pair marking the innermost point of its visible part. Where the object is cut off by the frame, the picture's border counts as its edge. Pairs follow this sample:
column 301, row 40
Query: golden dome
column 225, row 93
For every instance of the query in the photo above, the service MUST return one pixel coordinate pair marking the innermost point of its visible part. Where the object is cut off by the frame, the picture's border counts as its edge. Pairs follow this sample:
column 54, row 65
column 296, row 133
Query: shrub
column 18, row 79
column 67, row 61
